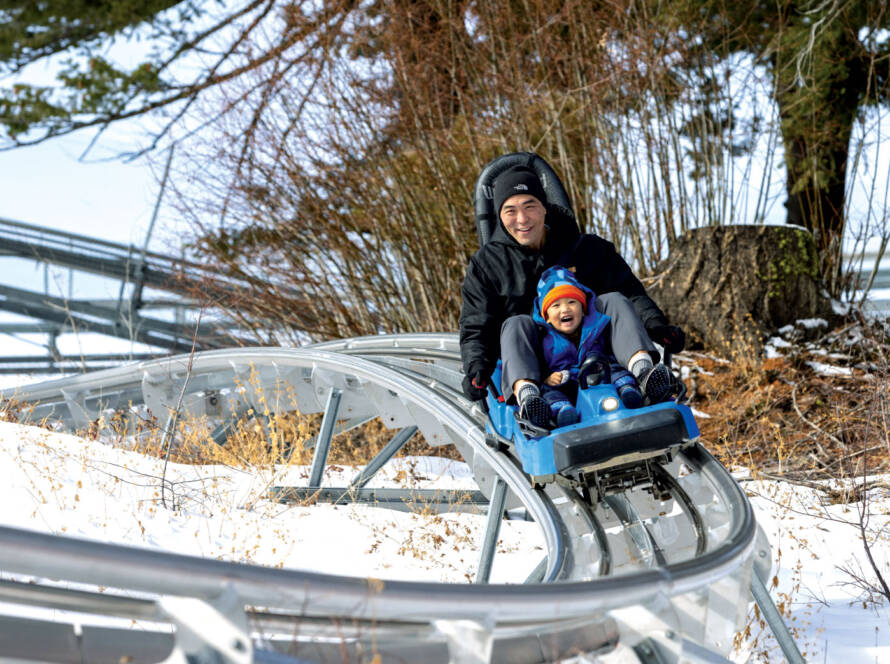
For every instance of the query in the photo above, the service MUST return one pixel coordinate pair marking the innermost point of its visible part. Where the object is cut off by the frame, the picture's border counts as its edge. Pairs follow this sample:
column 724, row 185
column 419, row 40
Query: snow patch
column 812, row 323
column 829, row 369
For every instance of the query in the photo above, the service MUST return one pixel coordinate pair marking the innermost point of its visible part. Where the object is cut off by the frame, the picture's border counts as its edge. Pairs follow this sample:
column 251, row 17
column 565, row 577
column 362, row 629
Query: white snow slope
column 61, row 484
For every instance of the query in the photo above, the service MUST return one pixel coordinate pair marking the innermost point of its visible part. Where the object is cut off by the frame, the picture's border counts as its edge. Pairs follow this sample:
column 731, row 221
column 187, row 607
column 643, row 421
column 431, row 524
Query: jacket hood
column 557, row 276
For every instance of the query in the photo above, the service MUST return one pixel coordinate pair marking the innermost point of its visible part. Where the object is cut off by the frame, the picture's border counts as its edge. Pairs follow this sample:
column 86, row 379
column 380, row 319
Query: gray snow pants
column 521, row 356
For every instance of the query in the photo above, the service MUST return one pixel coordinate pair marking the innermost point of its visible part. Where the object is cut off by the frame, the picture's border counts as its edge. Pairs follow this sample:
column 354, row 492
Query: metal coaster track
column 136, row 270
column 104, row 258
column 640, row 578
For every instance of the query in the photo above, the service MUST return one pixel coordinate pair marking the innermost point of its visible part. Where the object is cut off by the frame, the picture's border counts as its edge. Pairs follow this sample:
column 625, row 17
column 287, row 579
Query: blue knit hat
column 556, row 282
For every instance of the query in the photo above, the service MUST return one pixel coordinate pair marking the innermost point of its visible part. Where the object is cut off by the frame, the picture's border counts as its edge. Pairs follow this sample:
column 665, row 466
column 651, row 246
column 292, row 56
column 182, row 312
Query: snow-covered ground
column 66, row 485
column 818, row 552
column 61, row 484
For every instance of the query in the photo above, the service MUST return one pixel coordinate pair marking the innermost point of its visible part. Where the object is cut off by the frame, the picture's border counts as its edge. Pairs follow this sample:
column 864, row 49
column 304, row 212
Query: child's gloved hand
column 671, row 337
column 557, row 378
column 475, row 385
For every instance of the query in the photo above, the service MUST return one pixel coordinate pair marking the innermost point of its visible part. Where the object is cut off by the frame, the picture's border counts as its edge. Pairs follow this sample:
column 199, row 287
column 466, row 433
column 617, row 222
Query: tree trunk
column 729, row 287
column 818, row 209
column 818, row 94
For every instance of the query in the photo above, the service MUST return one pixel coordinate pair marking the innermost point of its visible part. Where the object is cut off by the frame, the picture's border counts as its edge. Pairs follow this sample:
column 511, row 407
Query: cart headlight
column 609, row 404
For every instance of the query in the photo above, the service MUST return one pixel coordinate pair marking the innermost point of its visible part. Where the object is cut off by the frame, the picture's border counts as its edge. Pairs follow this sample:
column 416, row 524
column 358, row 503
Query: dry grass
column 268, row 440
column 786, row 417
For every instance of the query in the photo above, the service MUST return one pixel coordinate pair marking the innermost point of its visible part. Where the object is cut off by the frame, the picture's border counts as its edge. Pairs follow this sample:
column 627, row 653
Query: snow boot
column 534, row 410
column 567, row 415
column 657, row 384
column 626, row 385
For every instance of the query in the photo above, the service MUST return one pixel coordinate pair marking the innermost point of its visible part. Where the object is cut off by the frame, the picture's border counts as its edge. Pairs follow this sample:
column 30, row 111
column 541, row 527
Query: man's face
column 523, row 217
column 565, row 314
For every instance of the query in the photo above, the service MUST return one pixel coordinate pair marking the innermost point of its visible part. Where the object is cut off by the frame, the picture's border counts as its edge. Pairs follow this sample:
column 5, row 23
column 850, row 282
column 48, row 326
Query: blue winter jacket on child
column 559, row 352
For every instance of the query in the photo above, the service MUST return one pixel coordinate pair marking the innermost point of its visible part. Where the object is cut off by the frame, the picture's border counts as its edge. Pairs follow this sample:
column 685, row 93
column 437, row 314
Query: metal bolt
column 238, row 645
column 761, row 553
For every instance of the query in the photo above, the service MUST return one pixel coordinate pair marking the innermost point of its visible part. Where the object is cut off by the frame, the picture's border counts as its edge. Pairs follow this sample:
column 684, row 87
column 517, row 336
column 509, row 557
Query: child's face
column 565, row 314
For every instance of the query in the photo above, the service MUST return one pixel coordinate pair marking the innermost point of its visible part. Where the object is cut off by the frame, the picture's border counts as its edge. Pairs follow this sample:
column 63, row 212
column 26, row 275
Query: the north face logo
column 520, row 187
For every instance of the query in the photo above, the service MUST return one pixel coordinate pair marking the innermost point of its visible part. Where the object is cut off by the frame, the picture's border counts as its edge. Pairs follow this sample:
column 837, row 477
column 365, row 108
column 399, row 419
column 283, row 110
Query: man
column 500, row 287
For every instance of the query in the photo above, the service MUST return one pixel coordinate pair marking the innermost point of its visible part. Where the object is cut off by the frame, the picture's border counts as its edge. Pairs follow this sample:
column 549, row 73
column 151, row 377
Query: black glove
column 475, row 385
column 671, row 337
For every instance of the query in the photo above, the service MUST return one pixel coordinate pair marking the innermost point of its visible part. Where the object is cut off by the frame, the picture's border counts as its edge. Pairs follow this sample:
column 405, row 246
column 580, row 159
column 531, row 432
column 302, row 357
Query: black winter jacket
column 502, row 277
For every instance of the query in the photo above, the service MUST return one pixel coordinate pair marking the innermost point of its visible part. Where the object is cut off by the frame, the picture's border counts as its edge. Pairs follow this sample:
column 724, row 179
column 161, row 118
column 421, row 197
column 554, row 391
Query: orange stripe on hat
column 561, row 291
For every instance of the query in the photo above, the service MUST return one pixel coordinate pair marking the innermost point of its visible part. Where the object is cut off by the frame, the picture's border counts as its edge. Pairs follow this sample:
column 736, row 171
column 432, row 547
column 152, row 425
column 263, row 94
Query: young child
column 571, row 330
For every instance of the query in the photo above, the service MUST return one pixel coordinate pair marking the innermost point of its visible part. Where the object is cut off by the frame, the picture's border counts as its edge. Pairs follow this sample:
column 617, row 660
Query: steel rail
column 458, row 422
column 361, row 599
column 119, row 606
column 318, row 638
column 595, row 527
column 112, row 565
column 416, row 344
column 390, row 349
column 221, row 361
column 128, row 265
column 102, row 257
column 701, row 536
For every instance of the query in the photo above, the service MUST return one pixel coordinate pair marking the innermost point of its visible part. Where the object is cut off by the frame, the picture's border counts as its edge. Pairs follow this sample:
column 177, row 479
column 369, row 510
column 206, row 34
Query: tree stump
column 730, row 286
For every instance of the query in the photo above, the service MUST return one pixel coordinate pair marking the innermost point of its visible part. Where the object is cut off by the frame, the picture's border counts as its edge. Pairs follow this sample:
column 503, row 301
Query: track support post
column 774, row 620
column 469, row 641
column 492, row 528
column 383, row 456
column 323, row 445
column 209, row 631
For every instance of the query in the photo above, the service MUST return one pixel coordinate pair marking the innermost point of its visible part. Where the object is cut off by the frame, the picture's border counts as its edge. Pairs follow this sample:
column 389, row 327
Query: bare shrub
column 345, row 199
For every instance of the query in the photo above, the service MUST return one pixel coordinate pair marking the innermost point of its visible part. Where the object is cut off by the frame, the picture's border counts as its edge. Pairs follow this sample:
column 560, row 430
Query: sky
column 46, row 185
column 100, row 196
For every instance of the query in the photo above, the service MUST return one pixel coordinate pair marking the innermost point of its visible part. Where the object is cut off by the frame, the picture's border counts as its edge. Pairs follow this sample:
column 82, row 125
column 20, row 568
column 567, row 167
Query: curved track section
column 644, row 578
